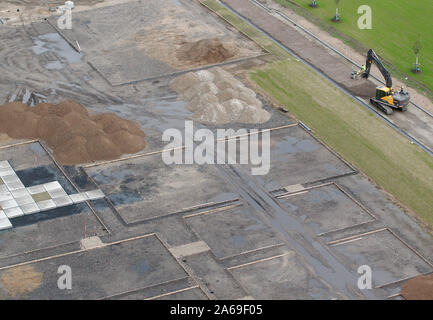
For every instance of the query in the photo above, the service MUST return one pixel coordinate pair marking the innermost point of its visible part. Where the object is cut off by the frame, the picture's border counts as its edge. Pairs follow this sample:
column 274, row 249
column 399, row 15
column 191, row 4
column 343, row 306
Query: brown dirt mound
column 73, row 135
column 418, row 288
column 361, row 88
column 206, row 51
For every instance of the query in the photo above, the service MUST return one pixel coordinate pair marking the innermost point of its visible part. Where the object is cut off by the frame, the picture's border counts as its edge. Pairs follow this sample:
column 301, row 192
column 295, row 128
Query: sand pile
column 73, row 135
column 206, row 51
column 418, row 288
column 216, row 97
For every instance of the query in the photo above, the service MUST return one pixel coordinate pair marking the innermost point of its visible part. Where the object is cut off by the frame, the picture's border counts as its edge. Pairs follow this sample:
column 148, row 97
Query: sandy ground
column 21, row 280
column 345, row 49
column 176, row 28
column 25, row 11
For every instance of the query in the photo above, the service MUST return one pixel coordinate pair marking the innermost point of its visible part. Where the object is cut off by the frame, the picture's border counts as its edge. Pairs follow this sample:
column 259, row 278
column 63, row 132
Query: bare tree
column 417, row 47
column 313, row 4
column 336, row 17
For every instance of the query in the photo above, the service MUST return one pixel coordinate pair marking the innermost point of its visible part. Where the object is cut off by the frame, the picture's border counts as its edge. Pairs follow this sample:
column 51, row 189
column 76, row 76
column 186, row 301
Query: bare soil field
column 180, row 231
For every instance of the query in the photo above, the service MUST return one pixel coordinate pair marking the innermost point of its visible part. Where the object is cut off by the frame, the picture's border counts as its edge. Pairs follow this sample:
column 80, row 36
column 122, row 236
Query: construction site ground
column 187, row 231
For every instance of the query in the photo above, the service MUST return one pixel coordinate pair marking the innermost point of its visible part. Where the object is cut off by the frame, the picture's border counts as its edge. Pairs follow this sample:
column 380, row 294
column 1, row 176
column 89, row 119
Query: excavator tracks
column 381, row 106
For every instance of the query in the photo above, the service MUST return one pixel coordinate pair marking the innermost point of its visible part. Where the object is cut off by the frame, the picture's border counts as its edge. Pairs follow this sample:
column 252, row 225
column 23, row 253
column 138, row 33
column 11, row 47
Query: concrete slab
column 219, row 282
column 101, row 272
column 51, row 229
column 5, row 224
column 4, row 196
column 62, row 201
column 57, row 193
column 25, row 200
column 326, row 209
column 7, row 204
column 78, row 197
column 146, row 188
column 14, row 212
column 189, row 249
column 91, row 243
column 233, row 231
column 389, row 259
column 297, row 158
column 95, row 194
column 281, row 278
column 30, row 208
column 4, row 165
column 36, row 189
column 46, row 204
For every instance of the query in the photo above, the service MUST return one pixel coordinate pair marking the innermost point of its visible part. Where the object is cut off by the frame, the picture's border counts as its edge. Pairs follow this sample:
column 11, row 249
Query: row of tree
column 417, row 47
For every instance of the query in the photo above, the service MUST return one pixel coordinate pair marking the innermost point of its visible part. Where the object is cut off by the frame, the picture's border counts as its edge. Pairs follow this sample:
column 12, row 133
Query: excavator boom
column 372, row 57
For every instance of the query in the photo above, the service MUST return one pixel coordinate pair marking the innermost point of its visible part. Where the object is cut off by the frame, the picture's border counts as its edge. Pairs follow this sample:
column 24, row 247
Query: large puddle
column 53, row 42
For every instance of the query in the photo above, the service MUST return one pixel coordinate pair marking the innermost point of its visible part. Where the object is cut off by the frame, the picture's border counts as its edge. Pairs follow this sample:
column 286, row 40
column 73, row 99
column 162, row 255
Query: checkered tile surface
column 17, row 200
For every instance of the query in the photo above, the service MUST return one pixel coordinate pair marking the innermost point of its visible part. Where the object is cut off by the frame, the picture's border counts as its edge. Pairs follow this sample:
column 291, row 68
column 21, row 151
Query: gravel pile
column 216, row 97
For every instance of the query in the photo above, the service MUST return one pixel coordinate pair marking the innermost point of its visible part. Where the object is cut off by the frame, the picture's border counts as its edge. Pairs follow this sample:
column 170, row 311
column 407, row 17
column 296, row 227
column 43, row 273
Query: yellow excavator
column 386, row 99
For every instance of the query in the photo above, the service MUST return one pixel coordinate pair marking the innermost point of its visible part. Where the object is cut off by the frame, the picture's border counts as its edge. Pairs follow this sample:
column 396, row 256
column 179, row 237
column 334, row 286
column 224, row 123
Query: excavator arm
column 372, row 57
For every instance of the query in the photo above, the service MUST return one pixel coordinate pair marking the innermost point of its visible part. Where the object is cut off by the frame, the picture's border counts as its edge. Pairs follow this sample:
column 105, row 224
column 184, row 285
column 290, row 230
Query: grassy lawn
column 395, row 27
column 355, row 133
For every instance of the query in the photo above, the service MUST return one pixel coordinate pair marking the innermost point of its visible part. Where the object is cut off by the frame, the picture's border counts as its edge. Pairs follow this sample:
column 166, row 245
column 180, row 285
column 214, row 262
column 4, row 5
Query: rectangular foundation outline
column 358, row 237
column 341, row 189
column 207, row 205
column 61, row 170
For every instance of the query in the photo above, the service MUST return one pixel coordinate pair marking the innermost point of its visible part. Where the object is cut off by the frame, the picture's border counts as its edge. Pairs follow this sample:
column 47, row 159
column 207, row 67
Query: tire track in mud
column 21, row 65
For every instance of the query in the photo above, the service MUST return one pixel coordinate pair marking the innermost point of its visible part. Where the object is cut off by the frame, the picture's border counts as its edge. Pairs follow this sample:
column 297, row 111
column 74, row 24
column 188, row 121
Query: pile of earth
column 216, row 97
column 74, row 136
column 206, row 51
column 418, row 288
column 361, row 88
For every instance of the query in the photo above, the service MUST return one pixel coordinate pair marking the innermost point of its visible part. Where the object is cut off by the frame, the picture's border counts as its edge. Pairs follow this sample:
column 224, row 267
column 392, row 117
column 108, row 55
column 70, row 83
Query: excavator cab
column 385, row 94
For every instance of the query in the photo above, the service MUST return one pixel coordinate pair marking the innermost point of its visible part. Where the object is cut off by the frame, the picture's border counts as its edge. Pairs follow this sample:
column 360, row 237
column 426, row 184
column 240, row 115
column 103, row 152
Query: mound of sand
column 206, row 51
column 418, row 288
column 216, row 97
column 73, row 135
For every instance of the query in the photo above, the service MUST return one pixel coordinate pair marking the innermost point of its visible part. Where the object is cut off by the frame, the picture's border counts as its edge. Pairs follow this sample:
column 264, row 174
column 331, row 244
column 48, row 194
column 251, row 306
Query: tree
column 313, row 4
column 336, row 17
column 417, row 47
